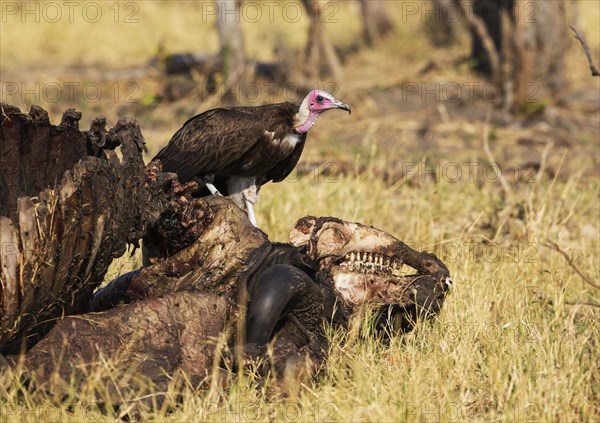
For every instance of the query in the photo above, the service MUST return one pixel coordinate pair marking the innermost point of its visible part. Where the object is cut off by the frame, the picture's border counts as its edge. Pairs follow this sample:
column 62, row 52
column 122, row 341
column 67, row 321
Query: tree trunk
column 229, row 26
column 487, row 57
column 533, row 59
column 441, row 25
column 376, row 20
column 321, row 57
column 539, row 44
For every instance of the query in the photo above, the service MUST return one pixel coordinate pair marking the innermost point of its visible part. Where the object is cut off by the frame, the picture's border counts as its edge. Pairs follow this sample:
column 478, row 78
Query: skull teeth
column 370, row 263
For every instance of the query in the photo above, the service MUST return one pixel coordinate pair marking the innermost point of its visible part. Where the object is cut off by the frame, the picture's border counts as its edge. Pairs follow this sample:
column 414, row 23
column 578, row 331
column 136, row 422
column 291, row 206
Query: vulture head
column 315, row 103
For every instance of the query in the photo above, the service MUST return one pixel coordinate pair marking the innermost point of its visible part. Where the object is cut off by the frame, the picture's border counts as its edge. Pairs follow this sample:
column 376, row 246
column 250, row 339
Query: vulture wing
column 285, row 167
column 229, row 141
column 210, row 142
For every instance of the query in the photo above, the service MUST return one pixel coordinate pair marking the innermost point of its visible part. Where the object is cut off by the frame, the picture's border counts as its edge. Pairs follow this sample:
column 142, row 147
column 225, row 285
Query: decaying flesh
column 170, row 300
column 69, row 204
column 146, row 340
column 229, row 249
column 225, row 251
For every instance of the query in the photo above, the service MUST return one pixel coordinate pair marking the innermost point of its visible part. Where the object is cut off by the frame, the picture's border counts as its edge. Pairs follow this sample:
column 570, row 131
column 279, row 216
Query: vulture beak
column 343, row 106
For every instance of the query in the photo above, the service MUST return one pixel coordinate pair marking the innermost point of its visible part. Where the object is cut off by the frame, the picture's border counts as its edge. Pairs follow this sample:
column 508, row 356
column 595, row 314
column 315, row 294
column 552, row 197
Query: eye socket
column 332, row 237
column 319, row 98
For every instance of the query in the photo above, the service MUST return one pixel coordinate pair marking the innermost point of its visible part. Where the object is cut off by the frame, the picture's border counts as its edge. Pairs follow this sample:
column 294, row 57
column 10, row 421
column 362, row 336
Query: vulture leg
column 213, row 190
column 250, row 196
column 250, row 211
column 244, row 192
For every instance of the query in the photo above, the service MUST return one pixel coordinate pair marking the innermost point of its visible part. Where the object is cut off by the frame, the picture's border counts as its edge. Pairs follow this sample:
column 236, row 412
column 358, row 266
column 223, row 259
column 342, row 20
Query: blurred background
column 422, row 77
column 474, row 134
column 414, row 71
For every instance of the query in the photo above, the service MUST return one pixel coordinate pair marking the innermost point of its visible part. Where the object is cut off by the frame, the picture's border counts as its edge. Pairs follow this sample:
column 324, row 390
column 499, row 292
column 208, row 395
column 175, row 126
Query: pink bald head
column 315, row 103
column 319, row 101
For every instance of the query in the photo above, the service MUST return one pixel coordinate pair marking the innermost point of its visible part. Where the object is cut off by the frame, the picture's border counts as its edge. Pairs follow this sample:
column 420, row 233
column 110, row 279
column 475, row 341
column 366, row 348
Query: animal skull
column 365, row 264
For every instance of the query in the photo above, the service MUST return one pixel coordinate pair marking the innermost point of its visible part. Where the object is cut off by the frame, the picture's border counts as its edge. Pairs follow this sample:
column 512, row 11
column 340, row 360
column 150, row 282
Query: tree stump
column 68, row 206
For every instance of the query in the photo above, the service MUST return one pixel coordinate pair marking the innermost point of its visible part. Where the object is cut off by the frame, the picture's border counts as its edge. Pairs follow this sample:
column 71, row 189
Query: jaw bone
column 370, row 263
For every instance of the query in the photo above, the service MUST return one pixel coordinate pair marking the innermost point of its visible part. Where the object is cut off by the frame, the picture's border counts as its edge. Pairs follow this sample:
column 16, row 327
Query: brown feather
column 235, row 141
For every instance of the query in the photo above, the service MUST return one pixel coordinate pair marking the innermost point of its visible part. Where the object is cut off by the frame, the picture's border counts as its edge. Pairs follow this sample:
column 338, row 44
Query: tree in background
column 540, row 41
column 320, row 58
column 376, row 21
column 532, row 59
column 321, row 55
column 229, row 26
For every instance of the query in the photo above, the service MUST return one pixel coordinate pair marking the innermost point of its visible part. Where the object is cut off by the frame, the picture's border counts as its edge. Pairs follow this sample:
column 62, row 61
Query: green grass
column 514, row 341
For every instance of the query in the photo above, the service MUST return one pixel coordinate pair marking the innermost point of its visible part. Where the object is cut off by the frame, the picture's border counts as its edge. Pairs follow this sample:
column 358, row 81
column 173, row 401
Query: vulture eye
column 320, row 98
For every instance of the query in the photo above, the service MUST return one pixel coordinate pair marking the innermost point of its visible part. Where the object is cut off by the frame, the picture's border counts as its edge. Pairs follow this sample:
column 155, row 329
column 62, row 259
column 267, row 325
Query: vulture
column 233, row 151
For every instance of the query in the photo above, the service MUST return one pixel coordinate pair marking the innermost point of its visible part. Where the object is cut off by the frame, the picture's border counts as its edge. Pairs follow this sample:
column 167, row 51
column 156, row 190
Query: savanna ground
column 516, row 340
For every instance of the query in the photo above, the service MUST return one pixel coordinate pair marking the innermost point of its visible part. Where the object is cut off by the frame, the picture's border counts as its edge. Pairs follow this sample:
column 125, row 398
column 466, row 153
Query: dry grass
column 509, row 344
column 499, row 351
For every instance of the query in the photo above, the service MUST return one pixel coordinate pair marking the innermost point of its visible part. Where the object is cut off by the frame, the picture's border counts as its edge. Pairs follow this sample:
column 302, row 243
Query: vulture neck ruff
column 305, row 118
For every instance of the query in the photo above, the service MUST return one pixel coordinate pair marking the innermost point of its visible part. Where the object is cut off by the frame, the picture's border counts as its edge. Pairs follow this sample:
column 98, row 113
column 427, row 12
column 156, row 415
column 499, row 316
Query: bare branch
column 554, row 246
column 583, row 303
column 586, row 48
column 542, row 297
